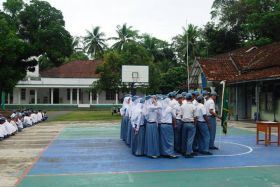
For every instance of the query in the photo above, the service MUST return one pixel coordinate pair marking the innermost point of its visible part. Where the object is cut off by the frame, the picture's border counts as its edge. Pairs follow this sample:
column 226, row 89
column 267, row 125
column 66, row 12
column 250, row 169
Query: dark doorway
column 56, row 96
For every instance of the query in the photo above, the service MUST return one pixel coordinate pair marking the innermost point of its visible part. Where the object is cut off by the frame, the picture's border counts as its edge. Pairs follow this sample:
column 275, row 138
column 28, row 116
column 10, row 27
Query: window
column 94, row 96
column 23, row 94
column 68, row 94
column 32, row 92
column 110, row 95
column 74, row 94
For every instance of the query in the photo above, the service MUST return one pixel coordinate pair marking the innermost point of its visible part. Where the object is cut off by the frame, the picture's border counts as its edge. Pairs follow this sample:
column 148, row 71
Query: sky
column 163, row 19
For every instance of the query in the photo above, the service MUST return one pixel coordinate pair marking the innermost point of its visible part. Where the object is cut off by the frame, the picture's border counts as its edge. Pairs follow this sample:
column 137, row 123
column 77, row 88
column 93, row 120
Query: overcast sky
column 161, row 18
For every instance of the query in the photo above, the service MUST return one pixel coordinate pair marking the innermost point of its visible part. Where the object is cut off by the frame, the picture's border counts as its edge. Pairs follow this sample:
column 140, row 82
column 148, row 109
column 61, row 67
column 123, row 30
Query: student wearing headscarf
column 166, row 129
column 130, row 123
column 138, row 137
column 151, row 133
column 125, row 118
column 3, row 131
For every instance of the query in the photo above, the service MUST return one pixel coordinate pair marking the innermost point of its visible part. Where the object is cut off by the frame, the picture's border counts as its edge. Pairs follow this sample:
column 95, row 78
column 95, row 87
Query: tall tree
column 13, row 7
column 125, row 34
column 43, row 27
column 193, row 34
column 95, row 42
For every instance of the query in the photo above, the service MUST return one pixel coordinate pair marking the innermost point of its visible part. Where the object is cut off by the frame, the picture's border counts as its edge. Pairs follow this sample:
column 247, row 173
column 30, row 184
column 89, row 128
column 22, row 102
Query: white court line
column 250, row 149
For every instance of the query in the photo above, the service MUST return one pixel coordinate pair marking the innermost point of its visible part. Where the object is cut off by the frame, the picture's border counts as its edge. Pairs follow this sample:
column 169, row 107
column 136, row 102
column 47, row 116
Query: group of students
column 18, row 121
column 163, row 125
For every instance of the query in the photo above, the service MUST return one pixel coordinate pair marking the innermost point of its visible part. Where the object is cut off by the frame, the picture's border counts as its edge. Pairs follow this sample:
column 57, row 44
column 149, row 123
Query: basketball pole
column 188, row 70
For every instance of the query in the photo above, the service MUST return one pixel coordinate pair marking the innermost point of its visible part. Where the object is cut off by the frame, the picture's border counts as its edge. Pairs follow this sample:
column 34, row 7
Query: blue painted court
column 95, row 156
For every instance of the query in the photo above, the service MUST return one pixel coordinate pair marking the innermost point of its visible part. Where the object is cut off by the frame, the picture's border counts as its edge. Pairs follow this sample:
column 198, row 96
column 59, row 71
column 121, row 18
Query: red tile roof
column 75, row 69
column 244, row 64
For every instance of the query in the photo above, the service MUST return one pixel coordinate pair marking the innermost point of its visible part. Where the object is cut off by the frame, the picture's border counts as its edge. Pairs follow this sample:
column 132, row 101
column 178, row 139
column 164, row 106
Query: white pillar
column 117, row 98
column 78, row 96
column 9, row 98
column 52, row 96
column 90, row 97
column 19, row 96
column 71, row 96
column 97, row 98
column 36, row 96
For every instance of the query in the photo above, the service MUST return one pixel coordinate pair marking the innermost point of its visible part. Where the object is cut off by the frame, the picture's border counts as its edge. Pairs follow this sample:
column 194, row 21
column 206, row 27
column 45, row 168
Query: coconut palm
column 125, row 34
column 95, row 42
column 180, row 42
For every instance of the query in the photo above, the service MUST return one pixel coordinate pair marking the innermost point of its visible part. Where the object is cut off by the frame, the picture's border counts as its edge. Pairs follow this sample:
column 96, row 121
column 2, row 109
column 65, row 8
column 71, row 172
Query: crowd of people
column 165, row 125
column 19, row 120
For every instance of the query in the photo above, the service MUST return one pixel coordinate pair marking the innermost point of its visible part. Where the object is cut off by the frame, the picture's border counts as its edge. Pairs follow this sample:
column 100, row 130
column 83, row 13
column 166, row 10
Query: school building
column 253, row 77
column 66, row 86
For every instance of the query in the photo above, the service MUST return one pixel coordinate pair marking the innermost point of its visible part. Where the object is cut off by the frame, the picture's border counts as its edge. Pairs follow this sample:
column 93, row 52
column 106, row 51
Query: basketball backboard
column 135, row 74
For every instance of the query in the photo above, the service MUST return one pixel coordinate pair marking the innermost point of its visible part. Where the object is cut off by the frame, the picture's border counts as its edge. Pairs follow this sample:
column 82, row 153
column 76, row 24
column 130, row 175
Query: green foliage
column 43, row 27
column 125, row 35
column 95, row 43
column 174, row 79
column 13, row 7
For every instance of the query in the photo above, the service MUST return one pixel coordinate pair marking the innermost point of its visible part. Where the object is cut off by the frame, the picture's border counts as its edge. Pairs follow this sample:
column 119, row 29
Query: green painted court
column 95, row 156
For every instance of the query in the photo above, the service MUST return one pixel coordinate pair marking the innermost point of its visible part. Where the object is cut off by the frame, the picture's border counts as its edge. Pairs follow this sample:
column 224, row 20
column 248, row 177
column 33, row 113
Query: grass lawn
column 87, row 116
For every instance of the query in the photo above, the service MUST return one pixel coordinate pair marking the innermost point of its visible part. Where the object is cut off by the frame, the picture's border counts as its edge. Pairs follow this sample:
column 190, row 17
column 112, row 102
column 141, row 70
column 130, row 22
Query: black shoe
column 153, row 156
column 194, row 154
column 188, row 156
column 214, row 148
column 205, row 153
column 195, row 150
column 173, row 156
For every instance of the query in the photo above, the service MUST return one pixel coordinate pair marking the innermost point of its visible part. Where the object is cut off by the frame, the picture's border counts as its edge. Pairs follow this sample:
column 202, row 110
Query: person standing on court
column 166, row 129
column 212, row 115
column 138, row 137
column 189, row 129
column 203, row 127
column 152, row 133
column 178, row 124
column 125, row 118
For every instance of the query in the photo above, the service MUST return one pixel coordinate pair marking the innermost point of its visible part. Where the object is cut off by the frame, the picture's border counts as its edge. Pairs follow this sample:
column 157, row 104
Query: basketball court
column 94, row 155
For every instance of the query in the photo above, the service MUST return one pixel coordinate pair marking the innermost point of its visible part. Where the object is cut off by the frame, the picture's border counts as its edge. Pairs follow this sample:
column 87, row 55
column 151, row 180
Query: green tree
column 125, row 34
column 110, row 72
column 13, row 7
column 174, row 79
column 14, row 55
column 193, row 34
column 95, row 43
column 43, row 27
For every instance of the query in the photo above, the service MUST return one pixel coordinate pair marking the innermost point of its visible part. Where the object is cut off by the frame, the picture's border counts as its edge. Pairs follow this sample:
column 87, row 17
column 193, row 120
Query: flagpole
column 222, row 106
column 188, row 70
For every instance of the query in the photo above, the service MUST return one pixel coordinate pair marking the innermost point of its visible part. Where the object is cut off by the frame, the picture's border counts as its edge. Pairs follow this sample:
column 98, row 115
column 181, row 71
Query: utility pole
column 188, row 69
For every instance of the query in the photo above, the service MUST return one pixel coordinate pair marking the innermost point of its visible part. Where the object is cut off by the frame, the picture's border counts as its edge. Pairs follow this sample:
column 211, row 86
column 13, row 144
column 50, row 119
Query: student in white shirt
column 203, row 127
column 178, row 125
column 152, row 134
column 166, row 129
column 189, row 129
column 212, row 115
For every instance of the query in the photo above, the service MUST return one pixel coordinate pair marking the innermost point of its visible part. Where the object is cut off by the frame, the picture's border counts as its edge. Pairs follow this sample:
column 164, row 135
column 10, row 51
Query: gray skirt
column 138, row 142
column 166, row 139
column 151, row 140
column 128, row 133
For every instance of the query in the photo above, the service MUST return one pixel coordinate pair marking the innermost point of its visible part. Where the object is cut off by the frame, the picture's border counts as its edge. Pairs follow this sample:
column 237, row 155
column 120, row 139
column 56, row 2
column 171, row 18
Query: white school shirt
column 188, row 112
column 39, row 116
column 27, row 120
column 34, row 117
column 19, row 124
column 210, row 105
column 200, row 112
column 167, row 114
column 9, row 128
column 152, row 115
column 3, row 131
column 178, row 111
column 14, row 124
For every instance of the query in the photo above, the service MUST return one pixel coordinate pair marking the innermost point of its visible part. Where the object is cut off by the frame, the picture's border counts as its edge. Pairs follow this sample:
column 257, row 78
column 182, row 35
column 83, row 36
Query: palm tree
column 180, row 42
column 125, row 34
column 95, row 42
